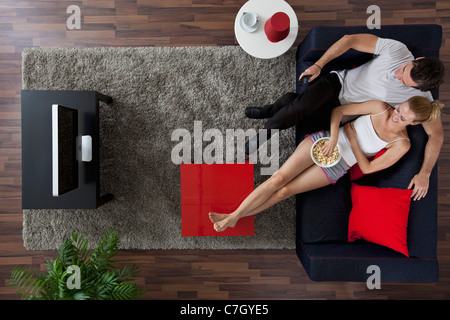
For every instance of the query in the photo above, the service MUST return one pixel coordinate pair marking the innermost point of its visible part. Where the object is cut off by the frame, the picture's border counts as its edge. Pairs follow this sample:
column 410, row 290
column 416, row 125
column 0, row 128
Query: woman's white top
column 368, row 140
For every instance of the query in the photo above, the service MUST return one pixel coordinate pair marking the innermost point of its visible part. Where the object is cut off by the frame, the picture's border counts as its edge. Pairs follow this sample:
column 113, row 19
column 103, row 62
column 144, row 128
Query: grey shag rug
column 155, row 91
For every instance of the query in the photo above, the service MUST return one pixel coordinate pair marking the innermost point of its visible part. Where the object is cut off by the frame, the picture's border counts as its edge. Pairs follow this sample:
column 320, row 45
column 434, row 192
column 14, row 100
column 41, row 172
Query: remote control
column 304, row 80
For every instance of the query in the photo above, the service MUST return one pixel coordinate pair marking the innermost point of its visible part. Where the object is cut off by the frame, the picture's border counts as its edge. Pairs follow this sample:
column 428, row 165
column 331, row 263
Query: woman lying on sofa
column 380, row 127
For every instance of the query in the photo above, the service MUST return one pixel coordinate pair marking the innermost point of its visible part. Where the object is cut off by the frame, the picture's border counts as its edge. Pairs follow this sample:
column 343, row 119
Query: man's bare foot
column 222, row 221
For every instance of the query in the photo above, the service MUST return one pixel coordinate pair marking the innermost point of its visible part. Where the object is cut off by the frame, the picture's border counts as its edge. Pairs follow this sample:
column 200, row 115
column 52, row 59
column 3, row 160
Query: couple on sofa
column 391, row 91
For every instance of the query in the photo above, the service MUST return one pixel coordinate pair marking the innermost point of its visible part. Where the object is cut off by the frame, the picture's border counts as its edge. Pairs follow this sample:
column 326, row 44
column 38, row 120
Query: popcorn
column 320, row 157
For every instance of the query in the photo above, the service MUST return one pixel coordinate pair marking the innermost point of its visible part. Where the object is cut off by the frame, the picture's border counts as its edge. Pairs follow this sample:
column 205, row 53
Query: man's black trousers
column 310, row 109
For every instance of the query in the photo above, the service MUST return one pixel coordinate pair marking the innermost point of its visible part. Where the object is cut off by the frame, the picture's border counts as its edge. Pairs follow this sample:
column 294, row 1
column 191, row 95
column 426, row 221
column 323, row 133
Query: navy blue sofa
column 323, row 214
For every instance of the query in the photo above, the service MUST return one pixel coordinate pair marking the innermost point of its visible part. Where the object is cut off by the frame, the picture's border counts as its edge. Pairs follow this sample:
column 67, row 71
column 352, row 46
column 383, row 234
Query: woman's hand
column 312, row 71
column 328, row 147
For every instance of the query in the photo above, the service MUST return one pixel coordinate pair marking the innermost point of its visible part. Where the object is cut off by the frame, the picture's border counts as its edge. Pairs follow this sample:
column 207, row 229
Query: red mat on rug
column 214, row 188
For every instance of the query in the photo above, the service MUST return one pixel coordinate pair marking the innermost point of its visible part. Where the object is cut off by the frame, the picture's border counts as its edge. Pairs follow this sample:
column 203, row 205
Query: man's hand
column 420, row 183
column 421, row 180
column 312, row 71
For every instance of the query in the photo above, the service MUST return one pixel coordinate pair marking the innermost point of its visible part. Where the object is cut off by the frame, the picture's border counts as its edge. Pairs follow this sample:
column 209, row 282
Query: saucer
column 247, row 28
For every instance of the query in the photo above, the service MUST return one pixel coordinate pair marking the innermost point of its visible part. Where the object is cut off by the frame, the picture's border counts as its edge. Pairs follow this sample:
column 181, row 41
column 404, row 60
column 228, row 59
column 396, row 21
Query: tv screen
column 64, row 149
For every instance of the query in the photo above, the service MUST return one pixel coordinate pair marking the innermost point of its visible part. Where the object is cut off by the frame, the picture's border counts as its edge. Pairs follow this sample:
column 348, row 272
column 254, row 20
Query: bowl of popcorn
column 320, row 159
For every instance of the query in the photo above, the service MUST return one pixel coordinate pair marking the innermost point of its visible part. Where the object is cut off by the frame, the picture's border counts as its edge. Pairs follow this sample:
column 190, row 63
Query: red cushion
column 355, row 171
column 380, row 215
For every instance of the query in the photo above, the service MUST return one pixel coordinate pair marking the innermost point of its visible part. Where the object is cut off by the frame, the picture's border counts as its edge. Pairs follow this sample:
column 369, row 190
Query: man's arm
column 421, row 180
column 360, row 42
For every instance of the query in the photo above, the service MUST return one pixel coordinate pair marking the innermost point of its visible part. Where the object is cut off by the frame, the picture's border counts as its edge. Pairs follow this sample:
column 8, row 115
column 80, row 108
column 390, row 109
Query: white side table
column 256, row 43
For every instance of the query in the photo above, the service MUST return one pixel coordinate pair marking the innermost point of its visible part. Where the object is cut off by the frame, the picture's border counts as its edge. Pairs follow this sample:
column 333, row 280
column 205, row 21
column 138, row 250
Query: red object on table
column 214, row 188
column 277, row 27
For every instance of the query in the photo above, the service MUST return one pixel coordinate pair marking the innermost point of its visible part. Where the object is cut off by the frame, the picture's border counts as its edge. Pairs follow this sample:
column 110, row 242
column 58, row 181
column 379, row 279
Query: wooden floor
column 197, row 274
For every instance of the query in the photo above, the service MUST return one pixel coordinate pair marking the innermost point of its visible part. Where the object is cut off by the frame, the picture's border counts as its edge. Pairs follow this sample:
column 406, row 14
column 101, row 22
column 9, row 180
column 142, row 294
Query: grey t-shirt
column 375, row 80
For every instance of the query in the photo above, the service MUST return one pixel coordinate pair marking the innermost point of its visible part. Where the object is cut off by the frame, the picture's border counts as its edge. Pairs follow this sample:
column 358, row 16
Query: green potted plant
column 79, row 273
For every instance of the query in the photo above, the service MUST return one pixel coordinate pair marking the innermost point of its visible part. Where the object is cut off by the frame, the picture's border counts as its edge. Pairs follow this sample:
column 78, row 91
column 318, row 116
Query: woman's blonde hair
column 424, row 109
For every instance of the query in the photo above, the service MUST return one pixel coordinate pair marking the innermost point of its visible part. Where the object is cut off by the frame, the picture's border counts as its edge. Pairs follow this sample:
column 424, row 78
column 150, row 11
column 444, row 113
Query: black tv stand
column 37, row 150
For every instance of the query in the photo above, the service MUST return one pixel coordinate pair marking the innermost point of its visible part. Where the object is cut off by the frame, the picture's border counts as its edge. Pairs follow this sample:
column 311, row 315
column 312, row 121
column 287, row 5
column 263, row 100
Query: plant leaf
column 28, row 287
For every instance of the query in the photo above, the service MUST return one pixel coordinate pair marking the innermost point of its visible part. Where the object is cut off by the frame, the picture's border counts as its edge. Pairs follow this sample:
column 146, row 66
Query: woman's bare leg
column 299, row 161
column 310, row 179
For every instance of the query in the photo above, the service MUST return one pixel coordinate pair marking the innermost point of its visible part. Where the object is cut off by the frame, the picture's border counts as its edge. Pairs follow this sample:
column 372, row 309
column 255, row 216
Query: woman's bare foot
column 216, row 217
column 222, row 221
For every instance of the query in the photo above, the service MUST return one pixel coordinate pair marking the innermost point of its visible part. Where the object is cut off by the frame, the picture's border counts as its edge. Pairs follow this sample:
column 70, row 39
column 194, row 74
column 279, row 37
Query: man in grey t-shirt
column 392, row 76
column 377, row 79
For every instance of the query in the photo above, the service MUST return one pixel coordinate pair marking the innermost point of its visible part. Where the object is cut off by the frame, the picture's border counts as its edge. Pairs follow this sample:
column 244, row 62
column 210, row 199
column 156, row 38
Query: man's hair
column 427, row 73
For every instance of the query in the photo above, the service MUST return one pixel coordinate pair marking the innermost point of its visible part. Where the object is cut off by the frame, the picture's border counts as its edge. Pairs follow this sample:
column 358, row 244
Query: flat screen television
column 69, row 149
column 65, row 165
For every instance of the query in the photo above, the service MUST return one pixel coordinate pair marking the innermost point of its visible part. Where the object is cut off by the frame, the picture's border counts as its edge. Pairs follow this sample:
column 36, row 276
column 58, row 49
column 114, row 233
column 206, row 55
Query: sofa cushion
column 349, row 262
column 380, row 215
column 322, row 214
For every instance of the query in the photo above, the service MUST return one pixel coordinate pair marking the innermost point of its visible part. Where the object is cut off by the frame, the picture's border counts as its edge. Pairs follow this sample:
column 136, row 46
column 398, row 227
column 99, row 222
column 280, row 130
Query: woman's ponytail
column 424, row 109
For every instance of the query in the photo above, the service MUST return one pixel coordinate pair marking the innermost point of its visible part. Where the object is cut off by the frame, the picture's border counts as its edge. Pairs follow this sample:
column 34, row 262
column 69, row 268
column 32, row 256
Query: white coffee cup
column 250, row 19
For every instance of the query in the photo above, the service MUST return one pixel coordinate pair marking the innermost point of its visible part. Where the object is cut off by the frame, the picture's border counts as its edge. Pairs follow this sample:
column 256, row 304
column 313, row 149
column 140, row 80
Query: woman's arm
column 367, row 107
column 336, row 116
column 393, row 153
